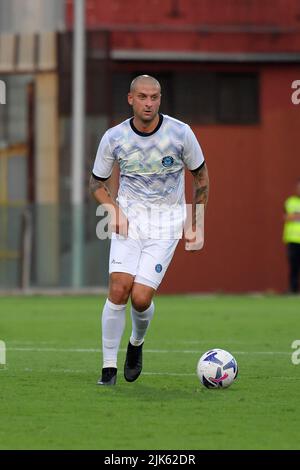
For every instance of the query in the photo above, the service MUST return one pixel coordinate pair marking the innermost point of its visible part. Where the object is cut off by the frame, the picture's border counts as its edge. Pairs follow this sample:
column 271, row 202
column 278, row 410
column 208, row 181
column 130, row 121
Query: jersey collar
column 146, row 134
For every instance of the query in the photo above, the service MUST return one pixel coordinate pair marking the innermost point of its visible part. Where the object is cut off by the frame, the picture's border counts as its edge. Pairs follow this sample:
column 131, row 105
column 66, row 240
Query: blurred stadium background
column 226, row 67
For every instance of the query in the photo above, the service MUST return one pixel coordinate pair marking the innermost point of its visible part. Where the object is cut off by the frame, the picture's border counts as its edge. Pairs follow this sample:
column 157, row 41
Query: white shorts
column 146, row 259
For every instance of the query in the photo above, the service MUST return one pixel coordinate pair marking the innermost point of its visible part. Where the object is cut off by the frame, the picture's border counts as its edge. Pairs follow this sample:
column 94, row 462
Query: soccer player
column 152, row 151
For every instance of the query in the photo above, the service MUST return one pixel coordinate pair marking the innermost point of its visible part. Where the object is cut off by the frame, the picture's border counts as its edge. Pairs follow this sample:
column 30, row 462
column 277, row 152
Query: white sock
column 113, row 324
column 140, row 323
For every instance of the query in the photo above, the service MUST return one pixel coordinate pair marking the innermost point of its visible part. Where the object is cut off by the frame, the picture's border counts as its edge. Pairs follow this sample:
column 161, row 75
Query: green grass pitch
column 49, row 398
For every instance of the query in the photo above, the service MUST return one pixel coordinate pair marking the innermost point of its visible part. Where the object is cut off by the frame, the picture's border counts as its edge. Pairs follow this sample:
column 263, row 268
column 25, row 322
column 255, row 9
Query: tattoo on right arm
column 97, row 184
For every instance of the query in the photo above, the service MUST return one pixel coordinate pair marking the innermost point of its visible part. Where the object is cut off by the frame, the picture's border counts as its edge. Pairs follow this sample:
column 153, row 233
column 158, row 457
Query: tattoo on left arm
column 201, row 186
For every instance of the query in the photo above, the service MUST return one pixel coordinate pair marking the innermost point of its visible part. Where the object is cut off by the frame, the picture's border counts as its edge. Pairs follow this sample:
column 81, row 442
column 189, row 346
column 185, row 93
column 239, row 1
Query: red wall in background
column 168, row 12
column 252, row 171
column 252, row 168
column 227, row 25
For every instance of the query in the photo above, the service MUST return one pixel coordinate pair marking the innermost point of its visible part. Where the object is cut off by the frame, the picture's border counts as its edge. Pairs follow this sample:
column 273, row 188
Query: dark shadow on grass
column 161, row 392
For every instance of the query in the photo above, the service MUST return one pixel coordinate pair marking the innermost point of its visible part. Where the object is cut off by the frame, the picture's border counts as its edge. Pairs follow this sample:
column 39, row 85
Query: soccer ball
column 217, row 369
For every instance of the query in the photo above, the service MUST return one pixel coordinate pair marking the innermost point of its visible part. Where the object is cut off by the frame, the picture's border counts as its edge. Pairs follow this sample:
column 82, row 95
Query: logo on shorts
column 158, row 268
column 116, row 262
column 167, row 161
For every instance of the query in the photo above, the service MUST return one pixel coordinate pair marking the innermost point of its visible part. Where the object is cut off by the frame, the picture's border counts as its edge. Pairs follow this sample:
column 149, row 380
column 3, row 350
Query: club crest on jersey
column 158, row 268
column 167, row 161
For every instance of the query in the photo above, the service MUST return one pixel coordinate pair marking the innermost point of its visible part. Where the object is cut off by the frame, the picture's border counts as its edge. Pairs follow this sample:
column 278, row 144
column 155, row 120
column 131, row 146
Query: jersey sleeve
column 192, row 153
column 104, row 160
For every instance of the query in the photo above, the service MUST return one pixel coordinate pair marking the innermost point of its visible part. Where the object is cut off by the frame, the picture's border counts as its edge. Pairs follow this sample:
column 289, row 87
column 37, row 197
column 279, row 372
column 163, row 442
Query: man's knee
column 119, row 293
column 140, row 301
column 119, row 290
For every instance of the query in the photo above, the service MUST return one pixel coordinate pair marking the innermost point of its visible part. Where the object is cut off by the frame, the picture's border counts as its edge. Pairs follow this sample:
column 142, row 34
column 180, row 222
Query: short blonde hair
column 144, row 78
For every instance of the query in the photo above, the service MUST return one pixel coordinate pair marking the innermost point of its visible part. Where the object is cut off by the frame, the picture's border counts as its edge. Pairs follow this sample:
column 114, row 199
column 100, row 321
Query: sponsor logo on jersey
column 167, row 161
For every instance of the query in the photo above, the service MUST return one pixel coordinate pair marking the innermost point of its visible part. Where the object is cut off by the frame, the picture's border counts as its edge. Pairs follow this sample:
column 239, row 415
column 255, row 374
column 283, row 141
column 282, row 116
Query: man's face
column 145, row 101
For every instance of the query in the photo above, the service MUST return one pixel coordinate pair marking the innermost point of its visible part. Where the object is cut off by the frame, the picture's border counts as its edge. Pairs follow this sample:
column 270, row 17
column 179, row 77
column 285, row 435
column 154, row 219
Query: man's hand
column 194, row 238
column 118, row 221
column 194, row 227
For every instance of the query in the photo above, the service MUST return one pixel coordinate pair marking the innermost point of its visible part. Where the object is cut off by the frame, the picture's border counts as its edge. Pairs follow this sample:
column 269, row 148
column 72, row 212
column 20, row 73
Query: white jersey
column 151, row 191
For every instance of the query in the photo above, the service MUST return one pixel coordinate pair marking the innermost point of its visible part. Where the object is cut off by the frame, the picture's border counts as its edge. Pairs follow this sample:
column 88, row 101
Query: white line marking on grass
column 32, row 342
column 75, row 350
column 155, row 351
column 28, row 343
column 82, row 371
column 169, row 374
column 216, row 343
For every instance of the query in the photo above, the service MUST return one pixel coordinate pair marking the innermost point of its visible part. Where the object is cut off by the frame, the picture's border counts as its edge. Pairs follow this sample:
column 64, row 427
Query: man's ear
column 130, row 98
